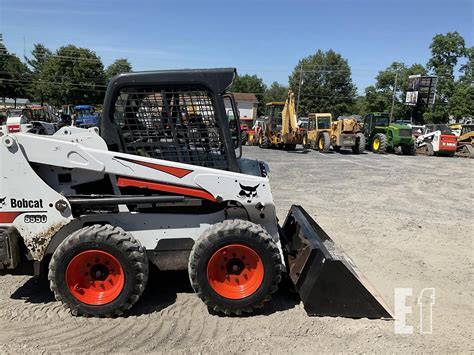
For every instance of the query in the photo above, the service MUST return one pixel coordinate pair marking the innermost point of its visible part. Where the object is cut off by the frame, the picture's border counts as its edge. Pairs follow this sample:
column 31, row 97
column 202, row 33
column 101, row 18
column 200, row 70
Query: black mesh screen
column 175, row 124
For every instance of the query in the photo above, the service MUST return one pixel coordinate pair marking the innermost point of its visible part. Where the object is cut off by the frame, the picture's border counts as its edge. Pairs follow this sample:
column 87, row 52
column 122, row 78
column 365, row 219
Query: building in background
column 14, row 103
column 246, row 104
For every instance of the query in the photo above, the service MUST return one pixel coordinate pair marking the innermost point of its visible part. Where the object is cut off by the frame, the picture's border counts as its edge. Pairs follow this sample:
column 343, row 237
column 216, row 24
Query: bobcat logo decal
column 2, row 202
column 248, row 192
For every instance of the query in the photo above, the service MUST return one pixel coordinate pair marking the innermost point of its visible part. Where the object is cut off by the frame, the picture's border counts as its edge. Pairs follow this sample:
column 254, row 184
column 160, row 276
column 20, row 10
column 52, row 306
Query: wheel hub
column 95, row 277
column 235, row 271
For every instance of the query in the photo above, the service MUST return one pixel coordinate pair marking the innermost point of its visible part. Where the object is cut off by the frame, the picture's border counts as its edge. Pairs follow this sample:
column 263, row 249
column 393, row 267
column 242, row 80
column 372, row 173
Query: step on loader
column 164, row 183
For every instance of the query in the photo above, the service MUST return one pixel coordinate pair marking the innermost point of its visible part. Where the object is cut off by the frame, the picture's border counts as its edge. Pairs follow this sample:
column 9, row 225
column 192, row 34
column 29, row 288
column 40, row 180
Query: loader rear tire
column 409, row 149
column 234, row 267
column 359, row 144
column 324, row 142
column 304, row 142
column 379, row 143
column 263, row 141
column 99, row 271
column 429, row 151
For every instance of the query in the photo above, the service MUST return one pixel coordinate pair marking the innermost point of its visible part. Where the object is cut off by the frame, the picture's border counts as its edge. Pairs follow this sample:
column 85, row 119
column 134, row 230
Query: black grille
column 175, row 124
column 405, row 133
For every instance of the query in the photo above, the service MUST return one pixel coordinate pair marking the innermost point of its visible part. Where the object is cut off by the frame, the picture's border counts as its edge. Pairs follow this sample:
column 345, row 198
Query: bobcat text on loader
column 163, row 183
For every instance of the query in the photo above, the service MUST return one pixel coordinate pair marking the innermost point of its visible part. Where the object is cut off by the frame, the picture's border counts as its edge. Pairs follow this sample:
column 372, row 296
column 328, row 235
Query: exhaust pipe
column 328, row 282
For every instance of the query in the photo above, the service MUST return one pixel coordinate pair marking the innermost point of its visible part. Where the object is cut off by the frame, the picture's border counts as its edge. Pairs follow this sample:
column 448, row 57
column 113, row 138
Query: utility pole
column 299, row 92
column 393, row 95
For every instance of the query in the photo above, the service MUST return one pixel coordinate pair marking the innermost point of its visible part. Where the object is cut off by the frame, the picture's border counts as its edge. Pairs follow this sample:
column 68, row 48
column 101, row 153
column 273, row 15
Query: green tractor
column 382, row 136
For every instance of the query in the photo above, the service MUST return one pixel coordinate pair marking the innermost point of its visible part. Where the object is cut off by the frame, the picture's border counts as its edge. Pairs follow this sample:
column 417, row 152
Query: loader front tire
column 359, row 144
column 324, row 142
column 263, row 141
column 234, row 267
column 98, row 271
column 409, row 149
column 379, row 143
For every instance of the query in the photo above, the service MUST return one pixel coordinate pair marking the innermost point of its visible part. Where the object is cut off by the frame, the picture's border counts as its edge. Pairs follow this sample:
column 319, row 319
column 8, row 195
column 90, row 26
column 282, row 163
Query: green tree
column 326, row 84
column 13, row 75
column 462, row 100
column 378, row 98
column 446, row 50
column 120, row 66
column 467, row 69
column 39, row 55
column 73, row 76
column 251, row 84
column 276, row 92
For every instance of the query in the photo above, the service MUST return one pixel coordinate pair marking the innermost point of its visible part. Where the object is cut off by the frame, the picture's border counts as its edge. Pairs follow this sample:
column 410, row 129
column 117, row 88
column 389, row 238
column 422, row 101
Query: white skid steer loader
column 163, row 183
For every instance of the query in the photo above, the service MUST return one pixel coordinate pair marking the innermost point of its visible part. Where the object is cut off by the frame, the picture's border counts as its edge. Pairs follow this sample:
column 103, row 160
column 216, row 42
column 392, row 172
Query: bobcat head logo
column 248, row 192
column 2, row 202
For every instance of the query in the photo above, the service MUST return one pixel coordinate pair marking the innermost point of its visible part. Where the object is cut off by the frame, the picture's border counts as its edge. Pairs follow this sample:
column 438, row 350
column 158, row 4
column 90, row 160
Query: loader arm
column 289, row 121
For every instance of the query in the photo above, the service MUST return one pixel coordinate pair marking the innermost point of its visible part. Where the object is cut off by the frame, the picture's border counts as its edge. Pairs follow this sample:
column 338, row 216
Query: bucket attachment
column 328, row 283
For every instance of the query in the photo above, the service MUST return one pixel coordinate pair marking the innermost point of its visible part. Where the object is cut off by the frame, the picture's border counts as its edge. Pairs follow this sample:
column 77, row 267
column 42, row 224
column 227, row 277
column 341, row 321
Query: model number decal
column 36, row 218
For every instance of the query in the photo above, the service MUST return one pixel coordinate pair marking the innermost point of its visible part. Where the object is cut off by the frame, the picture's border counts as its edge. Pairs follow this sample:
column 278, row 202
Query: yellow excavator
column 280, row 128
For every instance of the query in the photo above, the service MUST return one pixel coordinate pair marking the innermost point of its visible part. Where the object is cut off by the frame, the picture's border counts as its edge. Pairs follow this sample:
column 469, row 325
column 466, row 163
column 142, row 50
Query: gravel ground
column 405, row 221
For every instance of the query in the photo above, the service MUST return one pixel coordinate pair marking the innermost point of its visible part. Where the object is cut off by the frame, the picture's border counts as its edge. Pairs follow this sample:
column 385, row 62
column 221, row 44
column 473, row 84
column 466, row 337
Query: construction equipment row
column 281, row 129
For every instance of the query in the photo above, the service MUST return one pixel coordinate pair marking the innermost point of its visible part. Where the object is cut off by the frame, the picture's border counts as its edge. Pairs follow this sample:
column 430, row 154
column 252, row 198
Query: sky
column 261, row 37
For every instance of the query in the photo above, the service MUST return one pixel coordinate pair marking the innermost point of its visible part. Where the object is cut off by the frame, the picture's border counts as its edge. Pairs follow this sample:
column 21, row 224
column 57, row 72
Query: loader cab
column 375, row 119
column 176, row 115
column 273, row 113
column 319, row 121
column 430, row 128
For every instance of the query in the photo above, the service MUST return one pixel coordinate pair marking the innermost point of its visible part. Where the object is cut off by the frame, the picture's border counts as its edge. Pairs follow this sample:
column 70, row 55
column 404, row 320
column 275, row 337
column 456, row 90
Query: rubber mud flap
column 328, row 282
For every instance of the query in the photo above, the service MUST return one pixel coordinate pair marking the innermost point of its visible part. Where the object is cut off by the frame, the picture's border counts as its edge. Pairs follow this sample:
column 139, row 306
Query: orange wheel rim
column 95, row 277
column 235, row 271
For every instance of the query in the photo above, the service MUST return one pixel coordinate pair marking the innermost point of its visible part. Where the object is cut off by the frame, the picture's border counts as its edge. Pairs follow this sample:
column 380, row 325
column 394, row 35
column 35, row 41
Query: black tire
column 324, row 142
column 304, row 142
column 360, row 144
column 264, row 141
column 429, row 149
column 382, row 143
column 289, row 146
column 243, row 137
column 114, row 241
column 228, row 233
column 409, row 149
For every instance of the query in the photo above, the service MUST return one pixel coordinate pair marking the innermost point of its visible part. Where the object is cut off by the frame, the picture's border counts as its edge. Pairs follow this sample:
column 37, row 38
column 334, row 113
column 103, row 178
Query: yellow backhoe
column 280, row 128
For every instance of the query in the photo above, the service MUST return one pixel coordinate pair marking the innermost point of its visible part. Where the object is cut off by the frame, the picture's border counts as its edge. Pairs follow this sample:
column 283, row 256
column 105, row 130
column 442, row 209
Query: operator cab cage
column 319, row 121
column 273, row 112
column 377, row 119
column 176, row 115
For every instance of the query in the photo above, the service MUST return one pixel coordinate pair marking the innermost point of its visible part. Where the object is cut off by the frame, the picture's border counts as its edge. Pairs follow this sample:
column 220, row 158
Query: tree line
column 322, row 82
column 70, row 75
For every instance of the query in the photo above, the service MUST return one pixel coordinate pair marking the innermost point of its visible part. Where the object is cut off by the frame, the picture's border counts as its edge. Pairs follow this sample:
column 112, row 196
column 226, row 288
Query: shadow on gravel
column 35, row 290
column 161, row 291
column 349, row 152
column 304, row 151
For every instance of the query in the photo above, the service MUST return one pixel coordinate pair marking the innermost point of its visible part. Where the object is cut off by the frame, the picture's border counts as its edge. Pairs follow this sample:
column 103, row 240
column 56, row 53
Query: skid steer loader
column 163, row 183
